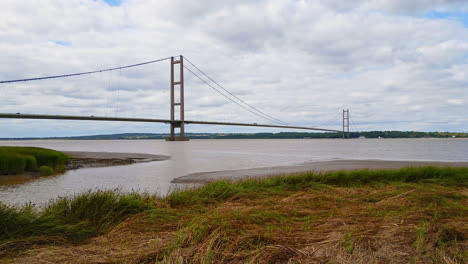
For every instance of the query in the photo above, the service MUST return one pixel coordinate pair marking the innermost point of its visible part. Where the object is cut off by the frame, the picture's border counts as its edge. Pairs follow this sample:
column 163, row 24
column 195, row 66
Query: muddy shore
column 81, row 159
column 317, row 166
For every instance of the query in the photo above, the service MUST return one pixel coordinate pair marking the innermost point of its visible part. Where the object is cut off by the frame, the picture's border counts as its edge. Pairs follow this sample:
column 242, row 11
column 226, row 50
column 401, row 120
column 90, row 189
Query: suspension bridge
column 177, row 84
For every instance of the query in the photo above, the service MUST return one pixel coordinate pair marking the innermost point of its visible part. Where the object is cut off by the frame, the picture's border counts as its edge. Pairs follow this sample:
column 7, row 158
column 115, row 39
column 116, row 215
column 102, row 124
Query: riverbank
column 316, row 166
column 85, row 159
column 410, row 215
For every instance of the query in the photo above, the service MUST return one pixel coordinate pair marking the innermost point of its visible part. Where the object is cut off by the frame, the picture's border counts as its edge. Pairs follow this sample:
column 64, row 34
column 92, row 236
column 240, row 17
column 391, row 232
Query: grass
column 15, row 160
column 85, row 215
column 420, row 235
column 347, row 243
column 223, row 190
column 409, row 215
column 46, row 171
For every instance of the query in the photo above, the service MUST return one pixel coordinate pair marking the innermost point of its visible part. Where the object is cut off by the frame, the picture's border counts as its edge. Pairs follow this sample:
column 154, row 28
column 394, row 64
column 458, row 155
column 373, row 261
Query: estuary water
column 211, row 155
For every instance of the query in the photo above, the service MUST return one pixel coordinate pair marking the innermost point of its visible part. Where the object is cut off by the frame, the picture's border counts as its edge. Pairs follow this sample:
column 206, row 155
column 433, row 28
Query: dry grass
column 394, row 223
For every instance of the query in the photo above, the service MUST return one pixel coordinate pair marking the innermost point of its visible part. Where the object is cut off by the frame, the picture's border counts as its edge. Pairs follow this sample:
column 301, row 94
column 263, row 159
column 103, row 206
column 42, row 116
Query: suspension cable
column 84, row 73
column 331, row 121
column 252, row 107
column 214, row 88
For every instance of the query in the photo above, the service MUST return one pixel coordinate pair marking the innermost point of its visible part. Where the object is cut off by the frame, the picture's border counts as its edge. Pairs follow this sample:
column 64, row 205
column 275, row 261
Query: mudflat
column 84, row 159
column 317, row 166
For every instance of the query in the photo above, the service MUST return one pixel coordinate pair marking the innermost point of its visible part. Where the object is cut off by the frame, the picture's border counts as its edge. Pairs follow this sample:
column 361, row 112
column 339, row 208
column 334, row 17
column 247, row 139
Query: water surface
column 211, row 155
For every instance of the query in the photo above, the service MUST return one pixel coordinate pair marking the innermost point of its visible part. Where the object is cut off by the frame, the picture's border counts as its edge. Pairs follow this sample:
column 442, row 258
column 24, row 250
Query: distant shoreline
column 279, row 135
column 316, row 166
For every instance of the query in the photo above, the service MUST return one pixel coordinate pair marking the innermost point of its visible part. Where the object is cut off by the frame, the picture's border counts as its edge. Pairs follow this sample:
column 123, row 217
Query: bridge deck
column 150, row 120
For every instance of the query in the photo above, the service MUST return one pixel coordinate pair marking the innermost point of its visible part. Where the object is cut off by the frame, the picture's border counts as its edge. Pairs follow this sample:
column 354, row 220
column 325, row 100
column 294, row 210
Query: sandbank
column 316, row 166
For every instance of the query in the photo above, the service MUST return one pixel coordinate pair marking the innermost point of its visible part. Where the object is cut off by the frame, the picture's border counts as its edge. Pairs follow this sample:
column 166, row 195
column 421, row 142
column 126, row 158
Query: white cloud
column 299, row 61
column 397, row 6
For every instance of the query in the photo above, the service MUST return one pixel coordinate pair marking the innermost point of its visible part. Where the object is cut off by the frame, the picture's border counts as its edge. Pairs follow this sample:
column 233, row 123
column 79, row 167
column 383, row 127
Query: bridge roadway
column 150, row 120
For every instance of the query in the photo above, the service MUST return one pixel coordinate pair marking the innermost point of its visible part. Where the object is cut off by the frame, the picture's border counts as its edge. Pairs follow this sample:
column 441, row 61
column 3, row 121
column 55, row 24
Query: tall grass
column 94, row 213
column 82, row 216
column 14, row 160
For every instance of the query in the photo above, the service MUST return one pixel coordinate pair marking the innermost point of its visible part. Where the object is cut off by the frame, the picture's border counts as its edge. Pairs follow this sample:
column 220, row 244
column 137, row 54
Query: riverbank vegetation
column 281, row 135
column 410, row 215
column 15, row 160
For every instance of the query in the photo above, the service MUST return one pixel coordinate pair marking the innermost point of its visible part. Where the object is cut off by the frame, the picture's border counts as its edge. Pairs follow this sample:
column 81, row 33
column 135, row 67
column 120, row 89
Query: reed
column 15, row 160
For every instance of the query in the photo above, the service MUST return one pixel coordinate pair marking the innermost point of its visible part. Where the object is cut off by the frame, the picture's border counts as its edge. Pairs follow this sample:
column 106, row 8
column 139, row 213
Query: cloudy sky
column 396, row 64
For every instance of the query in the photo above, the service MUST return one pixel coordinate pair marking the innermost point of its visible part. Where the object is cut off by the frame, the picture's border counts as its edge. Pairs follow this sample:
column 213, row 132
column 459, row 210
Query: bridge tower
column 177, row 123
column 346, row 123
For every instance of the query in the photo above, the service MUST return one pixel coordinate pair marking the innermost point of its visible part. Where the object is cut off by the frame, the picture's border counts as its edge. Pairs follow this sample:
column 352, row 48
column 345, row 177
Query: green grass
column 85, row 215
column 15, row 160
column 348, row 243
column 420, row 235
column 94, row 213
column 223, row 189
column 46, row 171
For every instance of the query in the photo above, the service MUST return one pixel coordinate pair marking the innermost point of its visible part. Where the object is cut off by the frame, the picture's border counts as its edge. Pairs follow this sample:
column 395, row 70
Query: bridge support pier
column 177, row 123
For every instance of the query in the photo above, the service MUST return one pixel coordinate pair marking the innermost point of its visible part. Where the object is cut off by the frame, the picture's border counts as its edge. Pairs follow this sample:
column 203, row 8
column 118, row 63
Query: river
column 211, row 155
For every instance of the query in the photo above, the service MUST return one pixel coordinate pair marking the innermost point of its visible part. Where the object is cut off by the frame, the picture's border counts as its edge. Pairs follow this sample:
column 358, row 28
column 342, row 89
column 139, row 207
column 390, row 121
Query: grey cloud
column 295, row 60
